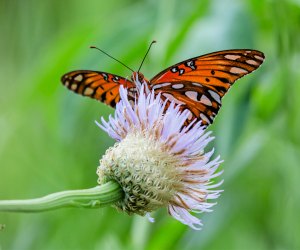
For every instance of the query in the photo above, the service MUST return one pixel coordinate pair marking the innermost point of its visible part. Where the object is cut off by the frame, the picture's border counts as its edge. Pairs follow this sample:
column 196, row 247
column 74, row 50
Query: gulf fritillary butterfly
column 197, row 84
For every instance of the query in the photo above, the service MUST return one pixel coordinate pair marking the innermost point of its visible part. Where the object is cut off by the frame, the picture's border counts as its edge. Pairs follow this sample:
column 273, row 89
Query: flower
column 157, row 161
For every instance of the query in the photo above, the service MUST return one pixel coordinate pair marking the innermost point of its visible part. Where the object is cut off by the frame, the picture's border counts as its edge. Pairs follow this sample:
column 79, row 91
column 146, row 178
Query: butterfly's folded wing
column 199, row 83
column 97, row 85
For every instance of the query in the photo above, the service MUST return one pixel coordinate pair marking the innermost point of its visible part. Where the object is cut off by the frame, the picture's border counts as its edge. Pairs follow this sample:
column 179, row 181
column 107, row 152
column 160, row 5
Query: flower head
column 157, row 161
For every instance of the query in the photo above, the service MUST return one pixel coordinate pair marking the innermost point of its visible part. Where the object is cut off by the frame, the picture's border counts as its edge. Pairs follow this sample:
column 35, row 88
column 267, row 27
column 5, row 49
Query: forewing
column 101, row 86
column 198, row 84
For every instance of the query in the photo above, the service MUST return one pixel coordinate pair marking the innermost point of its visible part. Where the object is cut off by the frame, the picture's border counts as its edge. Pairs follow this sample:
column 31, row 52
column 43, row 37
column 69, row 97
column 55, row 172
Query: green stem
column 96, row 197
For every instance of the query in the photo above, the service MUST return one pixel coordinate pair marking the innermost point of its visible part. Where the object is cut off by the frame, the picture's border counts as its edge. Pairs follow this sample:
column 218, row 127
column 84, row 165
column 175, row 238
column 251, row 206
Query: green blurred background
column 49, row 141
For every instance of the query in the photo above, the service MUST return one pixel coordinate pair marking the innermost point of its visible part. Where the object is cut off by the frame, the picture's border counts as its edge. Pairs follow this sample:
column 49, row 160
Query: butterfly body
column 197, row 84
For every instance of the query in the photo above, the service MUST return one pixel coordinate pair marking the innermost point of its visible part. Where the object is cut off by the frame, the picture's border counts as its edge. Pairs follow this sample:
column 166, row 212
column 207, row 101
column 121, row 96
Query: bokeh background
column 49, row 141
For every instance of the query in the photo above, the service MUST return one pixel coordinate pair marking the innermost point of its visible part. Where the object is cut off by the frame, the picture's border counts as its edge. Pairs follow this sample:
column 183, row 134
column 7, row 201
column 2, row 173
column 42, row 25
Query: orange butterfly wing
column 98, row 85
column 198, row 84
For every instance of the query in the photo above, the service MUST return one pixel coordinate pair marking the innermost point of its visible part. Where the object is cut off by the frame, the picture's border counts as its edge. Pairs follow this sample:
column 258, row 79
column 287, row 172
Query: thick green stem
column 96, row 197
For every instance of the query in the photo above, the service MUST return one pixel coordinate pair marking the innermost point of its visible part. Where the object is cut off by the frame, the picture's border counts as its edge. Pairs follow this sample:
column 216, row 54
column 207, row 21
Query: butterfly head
column 138, row 77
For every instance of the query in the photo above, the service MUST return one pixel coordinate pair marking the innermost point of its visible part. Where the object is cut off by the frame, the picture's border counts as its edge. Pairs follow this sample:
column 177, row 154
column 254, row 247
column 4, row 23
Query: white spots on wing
column 190, row 116
column 74, row 86
column 212, row 116
column 190, row 64
column 192, row 95
column 204, row 99
column 78, row 78
column 215, row 96
column 158, row 86
column 252, row 62
column 105, row 76
column 174, row 70
column 116, row 79
column 197, row 84
column 171, row 98
column 232, row 57
column 88, row 91
column 204, row 118
column 248, row 51
column 67, row 83
column 178, row 86
column 258, row 57
column 236, row 70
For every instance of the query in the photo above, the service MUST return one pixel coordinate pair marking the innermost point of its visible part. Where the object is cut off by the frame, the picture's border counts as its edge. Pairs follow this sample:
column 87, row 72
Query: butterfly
column 197, row 84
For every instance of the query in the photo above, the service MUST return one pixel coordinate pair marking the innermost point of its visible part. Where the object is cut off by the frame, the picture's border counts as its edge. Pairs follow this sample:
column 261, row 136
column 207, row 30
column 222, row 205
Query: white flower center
column 147, row 173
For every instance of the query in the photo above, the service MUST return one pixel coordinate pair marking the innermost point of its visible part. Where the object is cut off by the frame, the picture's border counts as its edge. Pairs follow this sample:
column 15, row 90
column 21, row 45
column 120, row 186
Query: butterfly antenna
column 94, row 47
column 146, row 55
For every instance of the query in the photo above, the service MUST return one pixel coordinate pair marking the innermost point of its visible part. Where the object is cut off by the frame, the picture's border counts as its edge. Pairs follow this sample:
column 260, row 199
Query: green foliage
column 49, row 141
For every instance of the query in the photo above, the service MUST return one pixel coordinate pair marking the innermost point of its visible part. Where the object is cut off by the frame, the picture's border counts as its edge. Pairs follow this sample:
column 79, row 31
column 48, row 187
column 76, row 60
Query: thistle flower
column 157, row 161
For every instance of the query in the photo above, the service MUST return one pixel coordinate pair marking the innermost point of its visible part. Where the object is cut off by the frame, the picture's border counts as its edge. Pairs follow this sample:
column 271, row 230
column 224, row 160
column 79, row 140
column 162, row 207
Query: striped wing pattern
column 197, row 84
column 98, row 85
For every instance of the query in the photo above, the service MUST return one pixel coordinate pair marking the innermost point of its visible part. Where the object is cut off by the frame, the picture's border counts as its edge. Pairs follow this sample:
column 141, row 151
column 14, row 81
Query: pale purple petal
column 187, row 144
